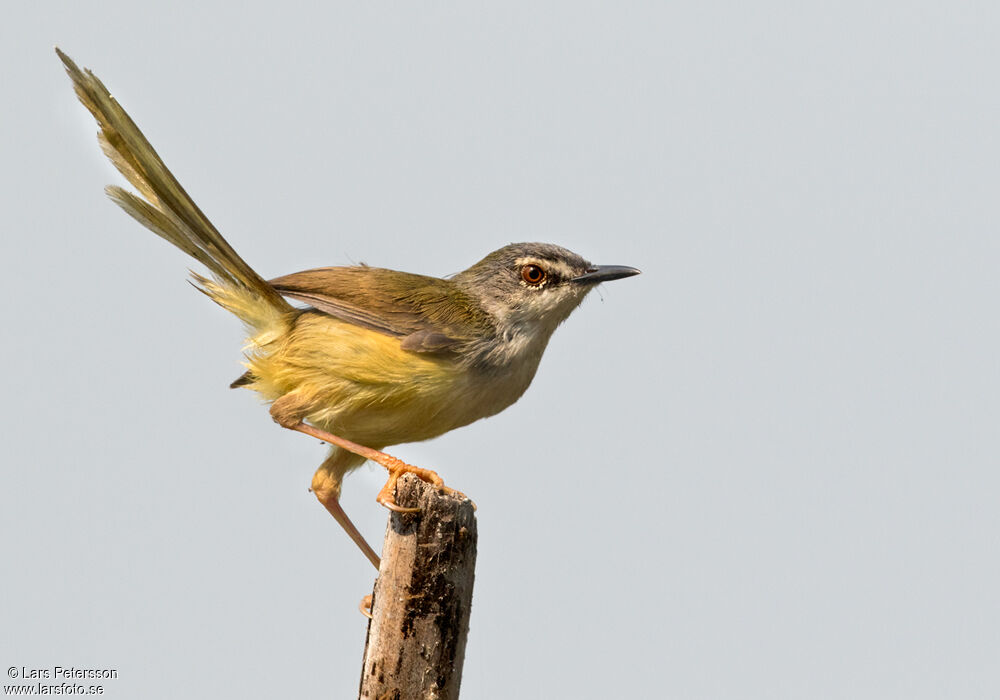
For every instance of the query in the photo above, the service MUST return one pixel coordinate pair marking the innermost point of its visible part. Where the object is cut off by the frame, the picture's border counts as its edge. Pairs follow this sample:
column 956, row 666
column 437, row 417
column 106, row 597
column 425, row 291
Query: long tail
column 167, row 210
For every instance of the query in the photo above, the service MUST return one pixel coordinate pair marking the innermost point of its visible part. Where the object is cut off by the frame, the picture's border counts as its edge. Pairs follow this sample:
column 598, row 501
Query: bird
column 365, row 357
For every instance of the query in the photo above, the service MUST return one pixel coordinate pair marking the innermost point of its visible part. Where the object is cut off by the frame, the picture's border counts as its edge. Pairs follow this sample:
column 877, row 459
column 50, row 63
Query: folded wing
column 429, row 314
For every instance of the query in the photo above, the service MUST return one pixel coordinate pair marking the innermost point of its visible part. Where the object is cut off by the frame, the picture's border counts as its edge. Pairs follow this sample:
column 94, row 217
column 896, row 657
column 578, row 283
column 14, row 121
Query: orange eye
column 532, row 274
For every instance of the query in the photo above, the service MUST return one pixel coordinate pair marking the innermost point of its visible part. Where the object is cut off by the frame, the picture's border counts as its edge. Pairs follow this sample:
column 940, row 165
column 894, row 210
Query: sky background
column 765, row 468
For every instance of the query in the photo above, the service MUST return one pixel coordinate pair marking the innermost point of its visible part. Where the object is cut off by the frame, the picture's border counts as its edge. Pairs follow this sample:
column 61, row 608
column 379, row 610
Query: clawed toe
column 457, row 494
column 395, row 507
column 387, row 496
column 365, row 606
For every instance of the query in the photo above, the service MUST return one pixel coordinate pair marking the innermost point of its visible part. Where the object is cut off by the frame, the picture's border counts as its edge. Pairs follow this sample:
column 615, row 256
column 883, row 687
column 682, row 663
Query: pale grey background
column 765, row 468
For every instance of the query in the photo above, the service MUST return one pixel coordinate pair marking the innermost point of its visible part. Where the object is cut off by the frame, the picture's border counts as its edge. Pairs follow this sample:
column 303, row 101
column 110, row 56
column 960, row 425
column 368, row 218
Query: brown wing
column 429, row 314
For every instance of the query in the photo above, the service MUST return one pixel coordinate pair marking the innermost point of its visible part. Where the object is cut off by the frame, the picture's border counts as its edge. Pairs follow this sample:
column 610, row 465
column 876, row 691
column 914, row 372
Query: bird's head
column 534, row 285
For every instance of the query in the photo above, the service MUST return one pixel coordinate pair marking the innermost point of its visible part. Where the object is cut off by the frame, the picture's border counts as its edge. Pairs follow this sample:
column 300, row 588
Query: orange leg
column 332, row 505
column 396, row 467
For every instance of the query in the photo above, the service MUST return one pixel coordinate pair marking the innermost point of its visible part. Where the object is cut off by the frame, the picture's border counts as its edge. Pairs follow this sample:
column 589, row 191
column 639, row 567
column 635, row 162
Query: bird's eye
column 533, row 274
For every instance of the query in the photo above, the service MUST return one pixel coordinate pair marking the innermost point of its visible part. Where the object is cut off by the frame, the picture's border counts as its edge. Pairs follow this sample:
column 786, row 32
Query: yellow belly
column 361, row 385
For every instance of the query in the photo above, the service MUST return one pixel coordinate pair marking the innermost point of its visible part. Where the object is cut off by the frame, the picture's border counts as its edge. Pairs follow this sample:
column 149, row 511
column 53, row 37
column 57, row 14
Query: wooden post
column 422, row 598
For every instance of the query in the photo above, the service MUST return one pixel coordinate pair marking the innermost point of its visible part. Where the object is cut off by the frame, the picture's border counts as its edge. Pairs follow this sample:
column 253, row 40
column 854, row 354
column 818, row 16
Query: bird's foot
column 397, row 467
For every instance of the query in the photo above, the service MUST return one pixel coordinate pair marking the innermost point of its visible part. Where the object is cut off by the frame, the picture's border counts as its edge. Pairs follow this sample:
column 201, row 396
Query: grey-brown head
column 530, row 288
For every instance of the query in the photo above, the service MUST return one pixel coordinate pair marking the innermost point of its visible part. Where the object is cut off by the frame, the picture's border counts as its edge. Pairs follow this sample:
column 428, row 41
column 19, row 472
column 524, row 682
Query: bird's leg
column 396, row 467
column 328, row 492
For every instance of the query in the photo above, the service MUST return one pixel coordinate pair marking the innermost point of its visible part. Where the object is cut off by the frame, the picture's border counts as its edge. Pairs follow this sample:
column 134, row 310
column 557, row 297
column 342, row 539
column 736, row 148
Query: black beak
column 605, row 273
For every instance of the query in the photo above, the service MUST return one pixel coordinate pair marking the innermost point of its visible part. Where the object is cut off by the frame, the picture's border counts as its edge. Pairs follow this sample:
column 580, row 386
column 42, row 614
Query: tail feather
column 167, row 210
column 163, row 225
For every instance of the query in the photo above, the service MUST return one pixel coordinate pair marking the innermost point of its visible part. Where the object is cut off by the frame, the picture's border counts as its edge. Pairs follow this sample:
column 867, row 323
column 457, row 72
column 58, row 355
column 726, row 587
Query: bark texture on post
column 422, row 598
